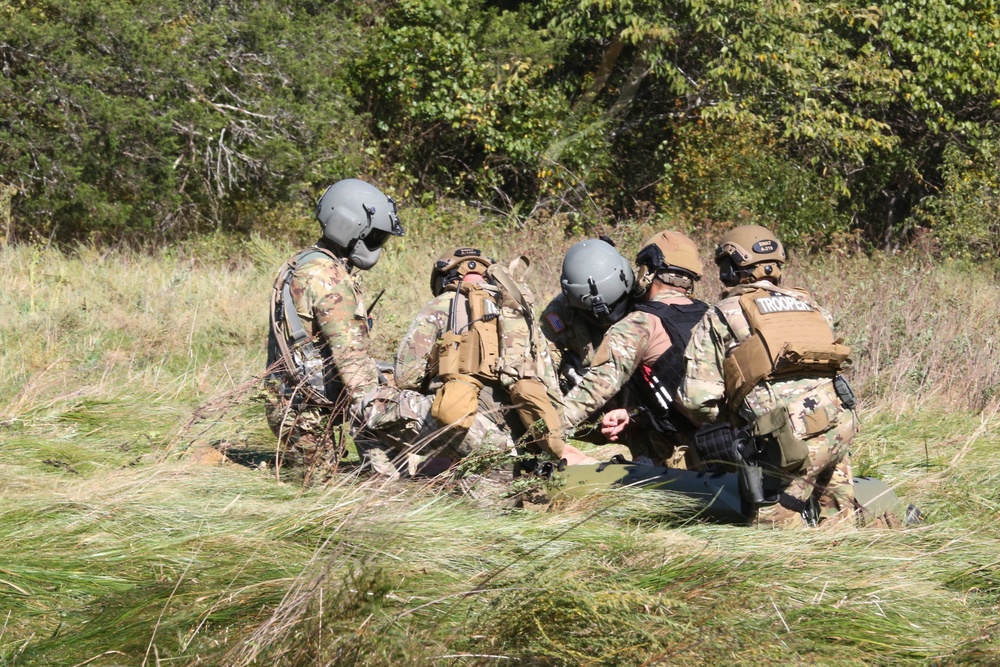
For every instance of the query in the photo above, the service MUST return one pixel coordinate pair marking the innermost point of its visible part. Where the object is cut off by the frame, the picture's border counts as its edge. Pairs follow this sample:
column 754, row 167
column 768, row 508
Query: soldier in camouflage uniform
column 320, row 373
column 596, row 283
column 644, row 353
column 319, row 368
column 765, row 359
column 517, row 397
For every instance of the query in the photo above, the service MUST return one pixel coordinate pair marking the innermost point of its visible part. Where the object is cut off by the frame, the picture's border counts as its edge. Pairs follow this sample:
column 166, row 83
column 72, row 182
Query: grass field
column 119, row 371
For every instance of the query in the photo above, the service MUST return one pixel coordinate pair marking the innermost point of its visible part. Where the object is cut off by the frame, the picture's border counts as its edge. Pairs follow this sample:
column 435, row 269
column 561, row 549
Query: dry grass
column 119, row 551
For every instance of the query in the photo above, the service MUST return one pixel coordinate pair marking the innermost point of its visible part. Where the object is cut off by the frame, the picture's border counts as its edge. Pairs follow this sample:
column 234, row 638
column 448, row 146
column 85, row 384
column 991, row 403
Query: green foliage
column 158, row 118
column 965, row 216
column 457, row 96
column 148, row 120
column 734, row 174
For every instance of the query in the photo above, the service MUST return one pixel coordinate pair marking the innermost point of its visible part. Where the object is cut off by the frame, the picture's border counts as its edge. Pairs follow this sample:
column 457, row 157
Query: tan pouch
column 778, row 425
column 457, row 402
column 449, row 354
column 746, row 365
column 824, row 358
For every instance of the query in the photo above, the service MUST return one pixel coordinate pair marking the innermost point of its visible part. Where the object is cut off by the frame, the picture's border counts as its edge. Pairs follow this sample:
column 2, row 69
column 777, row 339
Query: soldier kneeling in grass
column 320, row 372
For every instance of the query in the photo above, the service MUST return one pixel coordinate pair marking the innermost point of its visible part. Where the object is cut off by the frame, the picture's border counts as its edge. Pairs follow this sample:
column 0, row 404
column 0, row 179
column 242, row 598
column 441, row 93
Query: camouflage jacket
column 416, row 360
column 637, row 339
column 573, row 339
column 328, row 300
column 725, row 326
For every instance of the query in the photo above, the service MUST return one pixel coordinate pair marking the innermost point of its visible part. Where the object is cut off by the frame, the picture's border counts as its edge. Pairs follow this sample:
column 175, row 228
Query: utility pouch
column 449, row 354
column 483, row 348
column 457, row 402
column 777, row 425
column 796, row 356
column 746, row 365
column 715, row 445
column 844, row 392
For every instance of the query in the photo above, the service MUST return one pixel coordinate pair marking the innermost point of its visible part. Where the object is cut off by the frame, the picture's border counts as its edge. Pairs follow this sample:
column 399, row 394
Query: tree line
column 147, row 121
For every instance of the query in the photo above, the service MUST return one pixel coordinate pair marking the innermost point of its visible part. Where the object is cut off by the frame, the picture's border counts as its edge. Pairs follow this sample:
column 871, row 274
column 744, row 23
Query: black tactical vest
column 657, row 385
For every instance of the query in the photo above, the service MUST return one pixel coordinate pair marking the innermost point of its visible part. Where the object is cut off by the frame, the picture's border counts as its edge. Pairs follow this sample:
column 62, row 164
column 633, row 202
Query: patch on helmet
column 468, row 252
column 765, row 246
column 555, row 322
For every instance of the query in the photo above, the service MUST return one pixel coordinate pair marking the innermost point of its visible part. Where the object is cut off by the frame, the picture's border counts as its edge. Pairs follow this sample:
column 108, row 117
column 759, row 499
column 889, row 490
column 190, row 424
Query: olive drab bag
column 492, row 338
column 292, row 351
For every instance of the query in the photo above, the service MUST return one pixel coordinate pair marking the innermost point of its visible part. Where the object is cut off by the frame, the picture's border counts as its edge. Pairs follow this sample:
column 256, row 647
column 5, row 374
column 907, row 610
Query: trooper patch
column 780, row 304
column 554, row 322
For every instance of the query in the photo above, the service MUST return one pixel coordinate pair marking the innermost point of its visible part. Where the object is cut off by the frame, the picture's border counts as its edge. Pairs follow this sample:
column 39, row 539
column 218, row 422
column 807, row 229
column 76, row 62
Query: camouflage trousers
column 399, row 424
column 309, row 436
column 394, row 432
column 827, row 478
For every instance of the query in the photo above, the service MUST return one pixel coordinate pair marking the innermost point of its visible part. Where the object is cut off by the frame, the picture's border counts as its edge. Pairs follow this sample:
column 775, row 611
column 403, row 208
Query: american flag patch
column 554, row 322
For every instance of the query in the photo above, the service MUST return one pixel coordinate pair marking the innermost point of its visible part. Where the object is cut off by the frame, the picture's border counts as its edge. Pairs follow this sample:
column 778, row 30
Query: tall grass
column 118, row 371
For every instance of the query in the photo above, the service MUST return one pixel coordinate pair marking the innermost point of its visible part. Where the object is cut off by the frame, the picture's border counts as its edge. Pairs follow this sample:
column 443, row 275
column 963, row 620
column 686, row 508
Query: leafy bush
column 156, row 118
column 965, row 216
column 457, row 96
column 735, row 174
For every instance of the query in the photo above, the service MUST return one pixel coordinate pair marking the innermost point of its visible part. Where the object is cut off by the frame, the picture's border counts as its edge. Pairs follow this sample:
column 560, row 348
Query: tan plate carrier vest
column 497, row 345
column 788, row 336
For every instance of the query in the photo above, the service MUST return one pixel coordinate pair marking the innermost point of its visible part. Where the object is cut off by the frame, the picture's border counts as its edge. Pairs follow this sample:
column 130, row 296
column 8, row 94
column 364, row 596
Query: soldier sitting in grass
column 765, row 359
column 476, row 348
column 643, row 354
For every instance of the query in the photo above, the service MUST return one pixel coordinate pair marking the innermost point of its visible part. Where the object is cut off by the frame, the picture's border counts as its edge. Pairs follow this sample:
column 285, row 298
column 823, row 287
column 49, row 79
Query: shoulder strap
column 293, row 335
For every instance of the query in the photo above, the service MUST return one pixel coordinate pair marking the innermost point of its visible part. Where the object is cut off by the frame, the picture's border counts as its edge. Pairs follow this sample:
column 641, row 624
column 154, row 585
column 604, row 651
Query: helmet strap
column 680, row 281
column 765, row 271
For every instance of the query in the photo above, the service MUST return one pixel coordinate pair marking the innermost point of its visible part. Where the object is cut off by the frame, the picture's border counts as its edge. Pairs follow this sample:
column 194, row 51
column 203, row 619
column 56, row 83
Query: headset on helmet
column 597, row 280
column 358, row 219
column 749, row 253
column 673, row 258
column 452, row 267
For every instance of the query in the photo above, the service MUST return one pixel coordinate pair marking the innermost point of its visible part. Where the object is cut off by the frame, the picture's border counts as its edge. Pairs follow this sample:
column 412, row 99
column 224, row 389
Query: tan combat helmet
column 749, row 253
column 453, row 265
column 670, row 257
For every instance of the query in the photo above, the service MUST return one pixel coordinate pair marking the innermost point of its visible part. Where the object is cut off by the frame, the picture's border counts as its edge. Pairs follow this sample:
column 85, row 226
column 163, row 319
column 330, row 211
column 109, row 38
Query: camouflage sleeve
column 553, row 338
column 614, row 362
column 339, row 317
column 416, row 359
column 702, row 391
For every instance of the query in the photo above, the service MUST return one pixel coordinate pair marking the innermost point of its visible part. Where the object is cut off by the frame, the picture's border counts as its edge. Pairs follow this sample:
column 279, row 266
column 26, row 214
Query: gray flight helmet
column 358, row 218
column 597, row 280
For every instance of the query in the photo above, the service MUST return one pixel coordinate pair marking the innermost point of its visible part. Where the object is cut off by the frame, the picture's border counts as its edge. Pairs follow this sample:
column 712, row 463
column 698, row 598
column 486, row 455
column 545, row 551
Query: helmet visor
column 376, row 238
